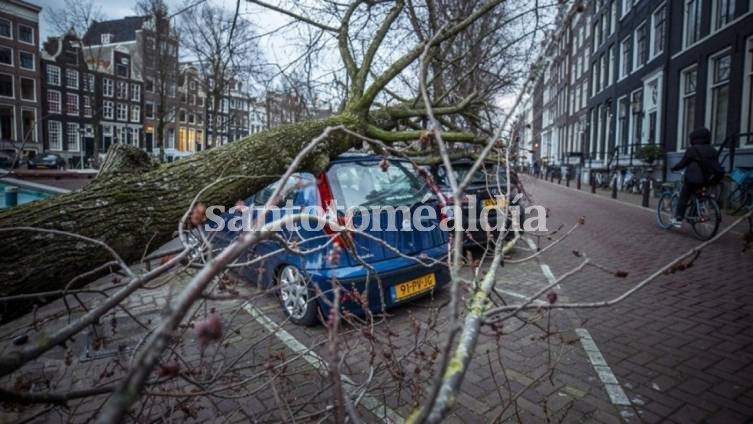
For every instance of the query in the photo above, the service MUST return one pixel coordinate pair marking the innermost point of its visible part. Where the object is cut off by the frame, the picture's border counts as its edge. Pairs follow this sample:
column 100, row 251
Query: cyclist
column 701, row 170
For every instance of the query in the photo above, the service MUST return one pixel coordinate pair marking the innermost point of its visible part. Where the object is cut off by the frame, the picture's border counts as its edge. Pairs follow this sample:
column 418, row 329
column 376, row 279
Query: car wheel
column 296, row 296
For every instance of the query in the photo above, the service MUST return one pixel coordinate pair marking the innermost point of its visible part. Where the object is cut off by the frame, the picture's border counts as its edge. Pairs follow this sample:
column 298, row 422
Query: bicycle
column 702, row 214
column 742, row 196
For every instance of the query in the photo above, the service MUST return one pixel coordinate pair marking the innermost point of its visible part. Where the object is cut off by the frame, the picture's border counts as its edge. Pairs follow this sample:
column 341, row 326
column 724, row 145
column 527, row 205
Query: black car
column 47, row 160
column 486, row 191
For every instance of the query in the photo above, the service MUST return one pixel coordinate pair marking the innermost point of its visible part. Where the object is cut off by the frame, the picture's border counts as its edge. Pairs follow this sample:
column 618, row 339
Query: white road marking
column 520, row 296
column 614, row 390
column 531, row 244
column 548, row 274
column 383, row 412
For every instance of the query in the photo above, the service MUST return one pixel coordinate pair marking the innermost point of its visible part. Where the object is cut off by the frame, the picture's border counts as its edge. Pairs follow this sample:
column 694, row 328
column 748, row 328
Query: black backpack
column 713, row 171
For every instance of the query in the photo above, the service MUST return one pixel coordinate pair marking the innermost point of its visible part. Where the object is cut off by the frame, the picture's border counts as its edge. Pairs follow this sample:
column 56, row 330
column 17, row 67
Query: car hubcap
column 293, row 292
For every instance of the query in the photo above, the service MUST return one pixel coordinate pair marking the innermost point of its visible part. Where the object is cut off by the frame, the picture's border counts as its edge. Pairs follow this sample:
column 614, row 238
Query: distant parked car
column 47, row 160
column 489, row 186
column 385, row 272
column 8, row 161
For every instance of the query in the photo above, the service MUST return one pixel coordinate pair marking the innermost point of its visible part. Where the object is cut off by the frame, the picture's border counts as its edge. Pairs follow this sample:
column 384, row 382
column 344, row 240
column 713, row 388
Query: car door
column 298, row 193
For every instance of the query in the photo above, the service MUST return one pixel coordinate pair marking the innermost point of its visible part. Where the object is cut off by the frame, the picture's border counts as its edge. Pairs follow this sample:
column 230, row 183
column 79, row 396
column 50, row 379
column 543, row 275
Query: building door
column 149, row 139
column 28, row 126
column 7, row 127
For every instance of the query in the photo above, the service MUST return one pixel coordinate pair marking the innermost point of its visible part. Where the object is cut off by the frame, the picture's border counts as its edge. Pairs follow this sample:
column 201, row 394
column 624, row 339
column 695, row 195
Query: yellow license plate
column 499, row 202
column 413, row 287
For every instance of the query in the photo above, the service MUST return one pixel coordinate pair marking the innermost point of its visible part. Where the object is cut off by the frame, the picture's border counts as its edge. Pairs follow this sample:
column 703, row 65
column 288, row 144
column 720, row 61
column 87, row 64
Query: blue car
column 383, row 267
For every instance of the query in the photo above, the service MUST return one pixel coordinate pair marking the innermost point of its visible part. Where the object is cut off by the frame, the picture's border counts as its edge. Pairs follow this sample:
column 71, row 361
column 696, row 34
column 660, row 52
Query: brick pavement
column 683, row 346
column 522, row 376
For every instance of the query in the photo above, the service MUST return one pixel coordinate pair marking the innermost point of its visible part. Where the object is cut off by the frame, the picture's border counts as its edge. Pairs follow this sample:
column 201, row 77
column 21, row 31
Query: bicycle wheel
column 735, row 201
column 705, row 218
column 665, row 211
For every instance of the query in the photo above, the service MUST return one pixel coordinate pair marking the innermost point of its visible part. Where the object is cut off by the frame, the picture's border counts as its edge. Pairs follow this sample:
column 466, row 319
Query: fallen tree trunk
column 139, row 211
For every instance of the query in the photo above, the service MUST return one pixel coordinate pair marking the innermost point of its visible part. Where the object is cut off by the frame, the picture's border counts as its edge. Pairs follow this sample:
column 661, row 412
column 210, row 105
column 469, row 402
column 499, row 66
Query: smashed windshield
column 366, row 183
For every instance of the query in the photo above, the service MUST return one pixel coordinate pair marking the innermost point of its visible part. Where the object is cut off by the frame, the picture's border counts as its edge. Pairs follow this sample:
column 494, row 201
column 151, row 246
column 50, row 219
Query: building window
column 6, row 28
column 746, row 126
column 688, row 82
column 121, row 112
column 641, row 46
column 55, row 135
column 658, row 31
column 90, row 83
column 149, row 110
column 135, row 113
column 722, row 12
column 107, row 87
column 87, row 106
column 692, row 30
column 72, row 137
column 121, row 70
column 71, row 78
column 122, row 90
column 637, row 119
column 25, row 34
column 182, row 116
column 604, row 68
column 6, row 56
column 53, row 75
column 71, row 104
column 106, row 38
column 652, row 108
column 626, row 57
column 6, row 86
column 149, row 85
column 626, row 4
column 53, row 101
column 623, row 124
column 107, row 109
column 612, row 65
column 719, row 73
column 28, row 89
column 26, row 60
column 597, row 36
column 135, row 92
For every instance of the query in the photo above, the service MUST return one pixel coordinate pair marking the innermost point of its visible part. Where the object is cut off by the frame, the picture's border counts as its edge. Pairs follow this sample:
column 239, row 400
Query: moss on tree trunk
column 137, row 212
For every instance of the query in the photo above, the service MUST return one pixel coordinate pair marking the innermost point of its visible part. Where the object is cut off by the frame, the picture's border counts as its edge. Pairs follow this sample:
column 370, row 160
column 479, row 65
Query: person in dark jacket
column 698, row 157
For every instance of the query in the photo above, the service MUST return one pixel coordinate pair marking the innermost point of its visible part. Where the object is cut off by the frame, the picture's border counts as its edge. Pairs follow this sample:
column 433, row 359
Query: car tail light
column 328, row 200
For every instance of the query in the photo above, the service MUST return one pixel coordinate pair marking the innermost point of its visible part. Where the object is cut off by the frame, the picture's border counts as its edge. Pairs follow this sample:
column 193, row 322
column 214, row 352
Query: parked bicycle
column 702, row 214
column 741, row 197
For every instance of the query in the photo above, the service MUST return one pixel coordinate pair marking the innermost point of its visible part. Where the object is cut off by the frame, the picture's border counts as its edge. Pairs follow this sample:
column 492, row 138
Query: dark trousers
column 682, row 203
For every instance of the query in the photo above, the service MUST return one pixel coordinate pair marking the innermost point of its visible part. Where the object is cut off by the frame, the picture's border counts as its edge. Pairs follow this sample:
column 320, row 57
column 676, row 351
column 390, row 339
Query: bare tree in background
column 225, row 49
column 76, row 15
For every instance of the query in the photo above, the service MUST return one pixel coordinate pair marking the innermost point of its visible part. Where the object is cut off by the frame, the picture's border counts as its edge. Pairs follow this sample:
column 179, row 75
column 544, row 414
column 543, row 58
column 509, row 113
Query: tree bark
column 137, row 212
column 126, row 159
